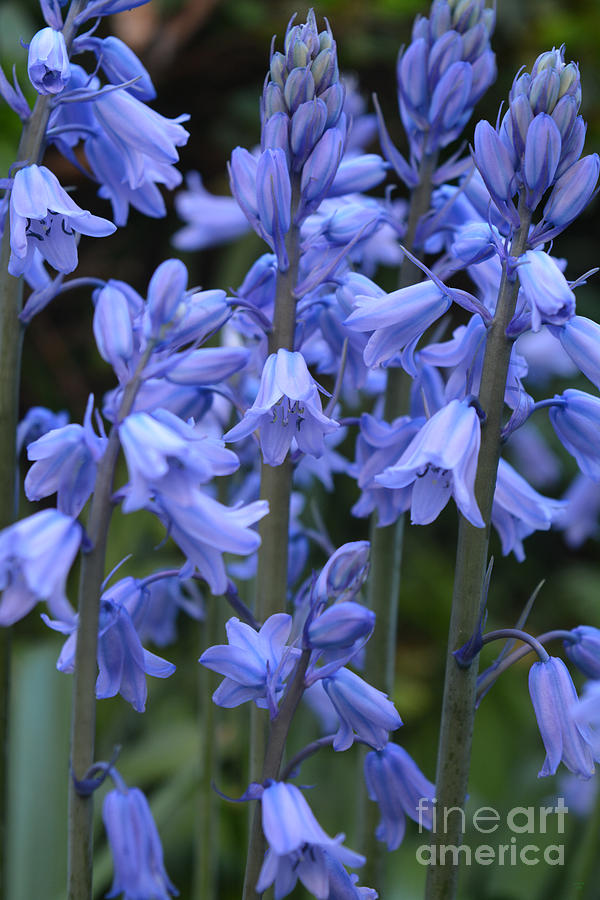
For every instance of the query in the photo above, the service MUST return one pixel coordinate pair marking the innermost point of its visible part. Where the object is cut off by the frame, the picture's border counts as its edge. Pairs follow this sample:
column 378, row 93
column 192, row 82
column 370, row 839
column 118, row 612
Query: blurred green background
column 208, row 58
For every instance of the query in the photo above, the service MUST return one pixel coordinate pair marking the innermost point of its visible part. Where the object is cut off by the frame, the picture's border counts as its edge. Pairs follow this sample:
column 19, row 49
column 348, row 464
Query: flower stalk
column 83, row 721
column 387, row 541
column 458, row 705
column 31, row 147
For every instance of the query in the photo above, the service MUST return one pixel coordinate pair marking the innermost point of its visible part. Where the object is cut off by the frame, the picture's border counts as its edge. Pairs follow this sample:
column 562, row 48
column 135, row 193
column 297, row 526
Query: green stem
column 83, row 722
column 272, row 764
column 205, row 870
column 276, row 481
column 31, row 146
column 458, row 705
column 387, row 545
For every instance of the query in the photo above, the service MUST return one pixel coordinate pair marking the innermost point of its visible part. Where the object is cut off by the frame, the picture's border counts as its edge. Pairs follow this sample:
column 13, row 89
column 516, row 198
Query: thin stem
column 458, row 705
column 272, row 763
column 387, row 542
column 485, row 682
column 207, row 810
column 516, row 634
column 83, row 722
column 30, row 148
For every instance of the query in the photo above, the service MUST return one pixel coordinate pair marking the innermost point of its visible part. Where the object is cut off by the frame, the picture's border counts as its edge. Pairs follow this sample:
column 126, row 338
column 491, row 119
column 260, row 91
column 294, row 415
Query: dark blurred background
column 208, row 58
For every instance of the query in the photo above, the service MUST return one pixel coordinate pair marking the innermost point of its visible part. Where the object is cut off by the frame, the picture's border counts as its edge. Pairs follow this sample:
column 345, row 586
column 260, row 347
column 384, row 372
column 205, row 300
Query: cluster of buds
column 443, row 73
column 537, row 147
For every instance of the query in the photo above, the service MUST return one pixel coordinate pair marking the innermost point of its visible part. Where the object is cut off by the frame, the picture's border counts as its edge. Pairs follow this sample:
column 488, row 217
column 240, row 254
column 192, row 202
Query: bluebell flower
column 344, row 573
column 580, row 337
column 143, row 138
column 155, row 606
column 577, row 425
column 518, row 510
column 44, row 217
column 287, row 407
column 209, row 219
column 36, row 555
column 97, row 8
column 580, row 519
column 139, row 869
column 572, row 192
column 122, row 661
column 113, row 331
column 340, row 626
column 364, row 711
column 119, row 62
column 109, row 166
column 298, row 846
column 584, row 650
column 66, row 460
column 379, row 445
column 554, row 700
column 342, row 886
column 165, row 295
column 38, row 421
column 396, row 319
column 440, row 462
column 48, row 61
column 545, row 288
column 256, row 664
column 161, row 449
column 397, row 785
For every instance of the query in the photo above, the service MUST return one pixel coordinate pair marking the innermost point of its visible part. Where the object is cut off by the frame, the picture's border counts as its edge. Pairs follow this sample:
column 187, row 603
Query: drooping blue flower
column 344, row 573
column 584, row 650
column 119, row 63
column 298, row 846
column 38, row 421
column 379, row 445
column 36, row 555
column 66, row 460
column 397, row 785
column 160, row 448
column 364, row 711
column 580, row 519
column 142, row 137
column 255, row 664
column 554, row 700
column 518, row 510
column 342, row 886
column 577, row 424
column 204, row 529
column 580, row 337
column 44, row 217
column 122, row 661
column 113, row 331
column 340, row 626
column 287, row 407
column 440, row 462
column 154, row 608
column 545, row 289
column 48, row 61
column 210, row 219
column 139, row 869
column 396, row 319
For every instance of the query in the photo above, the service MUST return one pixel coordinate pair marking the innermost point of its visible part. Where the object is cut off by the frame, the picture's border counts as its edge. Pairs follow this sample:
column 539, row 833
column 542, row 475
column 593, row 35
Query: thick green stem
column 387, row 545
column 280, row 727
column 276, row 482
column 83, row 721
column 31, row 146
column 458, row 705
